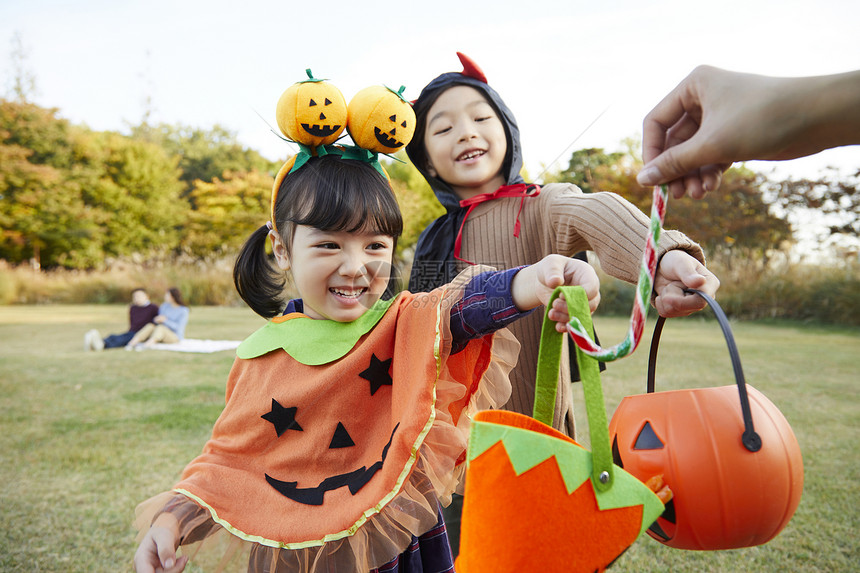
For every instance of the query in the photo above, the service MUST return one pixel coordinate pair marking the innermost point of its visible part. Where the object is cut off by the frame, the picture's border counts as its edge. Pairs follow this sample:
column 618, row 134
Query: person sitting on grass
column 141, row 312
column 168, row 327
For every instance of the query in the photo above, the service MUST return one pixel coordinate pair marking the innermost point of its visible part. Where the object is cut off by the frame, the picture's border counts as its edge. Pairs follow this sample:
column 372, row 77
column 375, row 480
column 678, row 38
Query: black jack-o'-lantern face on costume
column 285, row 424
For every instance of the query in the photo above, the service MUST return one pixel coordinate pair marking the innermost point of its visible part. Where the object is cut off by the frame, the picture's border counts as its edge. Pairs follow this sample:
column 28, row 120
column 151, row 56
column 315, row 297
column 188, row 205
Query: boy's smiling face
column 465, row 142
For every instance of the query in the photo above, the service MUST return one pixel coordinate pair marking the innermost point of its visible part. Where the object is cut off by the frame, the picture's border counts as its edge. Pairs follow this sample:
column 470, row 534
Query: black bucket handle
column 750, row 439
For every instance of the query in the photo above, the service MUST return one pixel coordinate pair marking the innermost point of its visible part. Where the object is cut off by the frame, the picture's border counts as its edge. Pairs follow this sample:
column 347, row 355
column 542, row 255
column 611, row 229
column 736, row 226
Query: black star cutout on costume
column 377, row 373
column 283, row 418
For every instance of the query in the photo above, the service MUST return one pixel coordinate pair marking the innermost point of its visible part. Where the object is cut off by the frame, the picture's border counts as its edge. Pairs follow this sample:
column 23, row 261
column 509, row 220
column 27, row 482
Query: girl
column 346, row 414
column 167, row 327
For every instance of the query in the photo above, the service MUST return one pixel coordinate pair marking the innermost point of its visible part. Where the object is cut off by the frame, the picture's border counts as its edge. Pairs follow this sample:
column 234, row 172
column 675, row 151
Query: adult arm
column 715, row 117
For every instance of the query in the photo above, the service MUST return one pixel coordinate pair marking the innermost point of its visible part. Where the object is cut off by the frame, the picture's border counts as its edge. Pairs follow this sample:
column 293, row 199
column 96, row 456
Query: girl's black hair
column 328, row 193
column 176, row 294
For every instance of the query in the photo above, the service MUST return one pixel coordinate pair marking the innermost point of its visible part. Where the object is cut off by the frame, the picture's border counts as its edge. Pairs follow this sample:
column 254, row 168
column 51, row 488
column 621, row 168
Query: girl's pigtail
column 256, row 281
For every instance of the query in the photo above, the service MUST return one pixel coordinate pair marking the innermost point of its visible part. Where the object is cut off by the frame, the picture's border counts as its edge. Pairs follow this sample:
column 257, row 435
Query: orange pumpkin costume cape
column 337, row 439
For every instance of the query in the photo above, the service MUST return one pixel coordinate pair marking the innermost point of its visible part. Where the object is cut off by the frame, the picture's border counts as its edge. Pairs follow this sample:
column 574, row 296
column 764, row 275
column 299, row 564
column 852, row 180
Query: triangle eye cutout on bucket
column 647, row 439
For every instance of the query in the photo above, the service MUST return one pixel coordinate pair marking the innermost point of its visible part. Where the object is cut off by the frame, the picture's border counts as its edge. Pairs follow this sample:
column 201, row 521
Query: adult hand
column 715, row 117
column 679, row 270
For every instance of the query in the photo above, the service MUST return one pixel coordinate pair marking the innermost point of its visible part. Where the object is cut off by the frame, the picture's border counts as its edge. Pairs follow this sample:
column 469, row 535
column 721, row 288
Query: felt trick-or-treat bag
column 535, row 500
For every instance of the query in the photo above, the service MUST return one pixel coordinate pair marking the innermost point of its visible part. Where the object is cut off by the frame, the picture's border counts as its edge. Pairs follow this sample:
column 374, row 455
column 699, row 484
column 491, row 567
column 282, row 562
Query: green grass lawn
column 84, row 437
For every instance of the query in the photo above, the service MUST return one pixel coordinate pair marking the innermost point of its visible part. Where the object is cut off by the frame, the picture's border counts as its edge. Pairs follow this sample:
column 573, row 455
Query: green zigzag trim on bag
column 527, row 449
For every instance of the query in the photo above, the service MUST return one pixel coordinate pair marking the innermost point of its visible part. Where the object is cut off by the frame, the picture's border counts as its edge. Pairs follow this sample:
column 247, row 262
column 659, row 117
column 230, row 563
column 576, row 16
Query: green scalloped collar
column 311, row 341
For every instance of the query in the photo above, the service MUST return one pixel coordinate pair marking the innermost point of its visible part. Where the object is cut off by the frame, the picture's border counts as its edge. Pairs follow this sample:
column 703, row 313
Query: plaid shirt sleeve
column 486, row 306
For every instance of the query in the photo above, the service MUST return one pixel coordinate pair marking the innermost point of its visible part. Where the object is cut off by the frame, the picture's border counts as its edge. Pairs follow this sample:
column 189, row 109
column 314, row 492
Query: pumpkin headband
column 313, row 114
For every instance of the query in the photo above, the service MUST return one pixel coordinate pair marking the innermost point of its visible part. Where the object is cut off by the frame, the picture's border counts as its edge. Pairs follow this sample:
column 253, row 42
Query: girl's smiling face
column 339, row 274
column 465, row 142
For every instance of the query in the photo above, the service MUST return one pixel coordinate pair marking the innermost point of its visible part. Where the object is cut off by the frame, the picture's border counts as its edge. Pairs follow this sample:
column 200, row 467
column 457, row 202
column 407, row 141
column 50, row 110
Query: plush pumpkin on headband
column 312, row 112
column 380, row 119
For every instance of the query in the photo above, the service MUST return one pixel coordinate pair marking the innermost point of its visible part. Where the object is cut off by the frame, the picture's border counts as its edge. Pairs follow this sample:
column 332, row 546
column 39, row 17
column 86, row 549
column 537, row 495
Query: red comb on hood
column 471, row 69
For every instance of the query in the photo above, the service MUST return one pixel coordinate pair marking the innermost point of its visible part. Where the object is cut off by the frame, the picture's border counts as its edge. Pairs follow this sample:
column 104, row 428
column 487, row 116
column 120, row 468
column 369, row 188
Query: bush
column 795, row 292
column 200, row 284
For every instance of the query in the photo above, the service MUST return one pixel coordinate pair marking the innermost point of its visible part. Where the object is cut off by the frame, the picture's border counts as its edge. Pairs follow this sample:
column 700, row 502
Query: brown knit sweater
column 564, row 220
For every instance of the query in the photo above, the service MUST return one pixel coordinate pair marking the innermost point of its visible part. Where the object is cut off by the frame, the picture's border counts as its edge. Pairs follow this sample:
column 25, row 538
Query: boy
column 466, row 144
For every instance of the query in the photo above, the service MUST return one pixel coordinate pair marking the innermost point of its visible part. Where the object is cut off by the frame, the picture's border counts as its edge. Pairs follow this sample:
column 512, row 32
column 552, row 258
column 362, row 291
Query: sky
column 558, row 64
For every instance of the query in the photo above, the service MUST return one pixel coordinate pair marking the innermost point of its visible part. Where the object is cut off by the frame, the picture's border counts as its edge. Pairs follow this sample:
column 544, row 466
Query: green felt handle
column 549, row 360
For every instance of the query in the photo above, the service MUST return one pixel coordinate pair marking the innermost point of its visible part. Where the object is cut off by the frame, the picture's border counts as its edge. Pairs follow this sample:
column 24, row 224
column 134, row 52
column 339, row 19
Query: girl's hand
column 679, row 270
column 534, row 285
column 157, row 552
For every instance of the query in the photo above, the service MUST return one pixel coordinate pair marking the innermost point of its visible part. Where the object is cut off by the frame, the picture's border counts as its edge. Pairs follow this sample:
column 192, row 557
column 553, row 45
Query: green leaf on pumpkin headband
column 398, row 93
column 307, row 151
column 311, row 78
column 361, row 154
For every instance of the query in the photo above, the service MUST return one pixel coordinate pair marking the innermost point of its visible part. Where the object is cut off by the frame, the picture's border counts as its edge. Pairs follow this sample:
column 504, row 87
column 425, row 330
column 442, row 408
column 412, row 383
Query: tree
column 203, row 154
column 72, row 197
column 23, row 187
column 139, row 189
column 832, row 195
column 588, row 166
column 23, row 81
column 228, row 211
column 34, row 209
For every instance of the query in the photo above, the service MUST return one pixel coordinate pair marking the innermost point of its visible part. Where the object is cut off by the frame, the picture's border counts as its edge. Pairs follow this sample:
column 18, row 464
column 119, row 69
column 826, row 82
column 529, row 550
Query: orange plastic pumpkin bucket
column 728, row 454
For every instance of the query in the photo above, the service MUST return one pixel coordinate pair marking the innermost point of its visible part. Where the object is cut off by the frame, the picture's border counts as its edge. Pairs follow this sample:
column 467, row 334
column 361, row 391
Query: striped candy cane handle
column 643, row 293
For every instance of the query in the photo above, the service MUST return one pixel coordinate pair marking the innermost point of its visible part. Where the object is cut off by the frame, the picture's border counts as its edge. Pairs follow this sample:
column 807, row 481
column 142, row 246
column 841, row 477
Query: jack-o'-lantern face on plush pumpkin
column 380, row 119
column 725, row 496
column 286, row 425
column 312, row 112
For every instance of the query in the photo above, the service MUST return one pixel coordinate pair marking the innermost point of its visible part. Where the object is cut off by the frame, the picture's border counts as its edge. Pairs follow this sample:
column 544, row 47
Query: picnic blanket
column 198, row 345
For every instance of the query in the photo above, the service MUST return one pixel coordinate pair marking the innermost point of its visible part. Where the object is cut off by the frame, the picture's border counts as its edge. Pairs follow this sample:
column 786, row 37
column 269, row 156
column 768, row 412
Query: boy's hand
column 679, row 270
column 157, row 552
column 534, row 285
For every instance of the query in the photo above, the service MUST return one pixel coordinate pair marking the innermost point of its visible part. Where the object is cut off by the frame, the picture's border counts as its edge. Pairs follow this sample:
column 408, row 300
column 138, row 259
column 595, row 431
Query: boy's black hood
column 434, row 263
column 415, row 150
